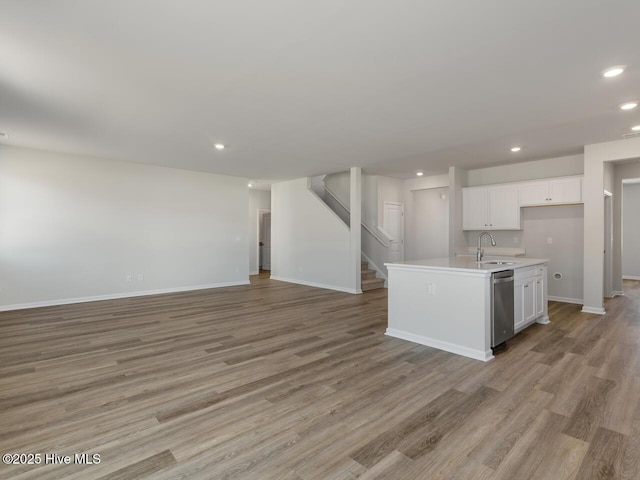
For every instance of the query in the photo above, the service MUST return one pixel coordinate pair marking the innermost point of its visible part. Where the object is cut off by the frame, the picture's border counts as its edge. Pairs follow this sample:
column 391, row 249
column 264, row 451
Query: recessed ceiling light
column 419, row 174
column 249, row 184
column 219, row 146
column 516, row 149
column 636, row 128
column 613, row 71
column 628, row 105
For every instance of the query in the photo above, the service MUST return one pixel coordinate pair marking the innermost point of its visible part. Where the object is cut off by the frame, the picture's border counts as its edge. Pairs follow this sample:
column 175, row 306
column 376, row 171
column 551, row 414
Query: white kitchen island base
column 441, row 345
column 446, row 304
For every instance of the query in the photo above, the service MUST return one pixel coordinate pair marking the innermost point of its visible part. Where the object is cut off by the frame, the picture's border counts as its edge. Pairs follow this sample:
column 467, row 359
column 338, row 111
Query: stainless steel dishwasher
column 501, row 307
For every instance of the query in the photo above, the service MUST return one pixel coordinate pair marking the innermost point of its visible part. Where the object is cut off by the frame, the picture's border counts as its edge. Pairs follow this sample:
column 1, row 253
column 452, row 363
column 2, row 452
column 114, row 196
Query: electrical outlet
column 549, row 240
column 129, row 278
column 140, row 277
column 431, row 288
column 515, row 240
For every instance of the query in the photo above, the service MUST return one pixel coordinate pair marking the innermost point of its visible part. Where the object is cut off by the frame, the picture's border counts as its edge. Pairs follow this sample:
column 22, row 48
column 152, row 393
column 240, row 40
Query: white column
column 355, row 205
column 593, row 194
column 457, row 180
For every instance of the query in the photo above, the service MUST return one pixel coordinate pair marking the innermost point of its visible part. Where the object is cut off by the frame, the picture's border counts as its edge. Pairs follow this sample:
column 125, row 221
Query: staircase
column 368, row 278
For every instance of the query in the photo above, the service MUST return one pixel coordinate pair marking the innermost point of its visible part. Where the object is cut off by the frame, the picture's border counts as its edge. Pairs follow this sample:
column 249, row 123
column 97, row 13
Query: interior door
column 266, row 241
column 393, row 222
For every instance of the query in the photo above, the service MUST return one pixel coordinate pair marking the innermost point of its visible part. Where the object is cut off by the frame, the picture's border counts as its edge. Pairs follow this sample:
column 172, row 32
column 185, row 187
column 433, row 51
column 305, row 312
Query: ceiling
column 297, row 88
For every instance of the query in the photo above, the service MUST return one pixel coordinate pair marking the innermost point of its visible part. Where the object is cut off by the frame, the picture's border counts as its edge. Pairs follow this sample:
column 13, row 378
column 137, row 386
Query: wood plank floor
column 280, row 381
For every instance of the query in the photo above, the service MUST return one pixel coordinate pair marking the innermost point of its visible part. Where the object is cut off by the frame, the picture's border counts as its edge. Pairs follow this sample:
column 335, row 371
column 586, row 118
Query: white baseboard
column 578, row 301
column 630, row 277
column 255, row 272
column 317, row 285
column 440, row 345
column 595, row 310
column 618, row 293
column 116, row 296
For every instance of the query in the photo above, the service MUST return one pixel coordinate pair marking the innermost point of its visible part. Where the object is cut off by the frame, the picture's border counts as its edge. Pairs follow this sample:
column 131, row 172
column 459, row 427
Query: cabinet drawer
column 522, row 273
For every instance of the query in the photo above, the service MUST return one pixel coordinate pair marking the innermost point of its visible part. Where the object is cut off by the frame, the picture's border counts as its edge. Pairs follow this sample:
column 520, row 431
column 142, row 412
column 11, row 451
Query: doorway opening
column 608, row 245
column 264, row 240
column 630, row 229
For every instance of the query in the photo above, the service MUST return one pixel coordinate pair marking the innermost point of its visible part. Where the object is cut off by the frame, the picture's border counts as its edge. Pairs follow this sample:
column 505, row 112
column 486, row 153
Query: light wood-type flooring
column 281, row 381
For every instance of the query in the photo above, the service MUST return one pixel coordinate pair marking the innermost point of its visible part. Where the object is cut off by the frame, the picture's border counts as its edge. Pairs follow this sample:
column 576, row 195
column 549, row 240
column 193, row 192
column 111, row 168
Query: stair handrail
column 364, row 225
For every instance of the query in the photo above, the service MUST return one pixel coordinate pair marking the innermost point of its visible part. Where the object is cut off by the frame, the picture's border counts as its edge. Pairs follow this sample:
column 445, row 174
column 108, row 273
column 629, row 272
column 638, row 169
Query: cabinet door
column 504, row 210
column 518, row 313
column 529, row 301
column 566, row 190
column 539, row 287
column 474, row 208
column 534, row 193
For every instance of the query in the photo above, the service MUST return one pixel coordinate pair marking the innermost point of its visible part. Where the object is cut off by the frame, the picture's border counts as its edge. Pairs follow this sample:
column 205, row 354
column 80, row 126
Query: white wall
column 310, row 244
column 388, row 190
column 376, row 189
column 74, row 227
column 258, row 199
column 412, row 240
column 564, row 224
column 517, row 172
column 430, row 223
column 338, row 183
column 458, row 177
column 631, row 231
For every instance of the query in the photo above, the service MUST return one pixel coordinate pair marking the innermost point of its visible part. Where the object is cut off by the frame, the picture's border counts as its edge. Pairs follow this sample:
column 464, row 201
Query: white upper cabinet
column 497, row 207
column 504, row 211
column 475, row 208
column 554, row 191
column 534, row 193
column 491, row 208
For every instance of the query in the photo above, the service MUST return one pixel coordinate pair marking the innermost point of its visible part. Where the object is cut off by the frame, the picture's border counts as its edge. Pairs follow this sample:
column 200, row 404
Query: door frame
column 607, row 283
column 401, row 205
column 261, row 211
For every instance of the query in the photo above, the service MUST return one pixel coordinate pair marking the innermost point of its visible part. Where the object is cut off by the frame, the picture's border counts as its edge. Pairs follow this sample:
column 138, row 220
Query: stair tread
column 371, row 284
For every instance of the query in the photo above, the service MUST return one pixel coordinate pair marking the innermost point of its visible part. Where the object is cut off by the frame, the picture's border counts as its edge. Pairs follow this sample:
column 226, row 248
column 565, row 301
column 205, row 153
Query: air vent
column 631, row 135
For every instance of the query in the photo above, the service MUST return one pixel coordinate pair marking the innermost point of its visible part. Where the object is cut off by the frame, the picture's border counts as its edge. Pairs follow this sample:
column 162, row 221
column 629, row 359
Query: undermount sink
column 497, row 262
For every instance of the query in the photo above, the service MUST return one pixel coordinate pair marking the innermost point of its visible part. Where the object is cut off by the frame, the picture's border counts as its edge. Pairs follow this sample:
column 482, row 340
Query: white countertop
column 468, row 264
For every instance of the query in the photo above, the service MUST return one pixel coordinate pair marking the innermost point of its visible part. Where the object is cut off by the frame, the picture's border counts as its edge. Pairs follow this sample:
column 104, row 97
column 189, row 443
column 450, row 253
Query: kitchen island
column 446, row 302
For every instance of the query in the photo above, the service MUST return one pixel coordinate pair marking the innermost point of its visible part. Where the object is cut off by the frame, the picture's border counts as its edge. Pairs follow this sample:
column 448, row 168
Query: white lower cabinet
column 530, row 296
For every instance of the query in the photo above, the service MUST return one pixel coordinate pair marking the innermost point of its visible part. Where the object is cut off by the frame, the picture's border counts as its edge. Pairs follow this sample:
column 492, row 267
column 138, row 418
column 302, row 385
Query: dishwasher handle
column 503, row 280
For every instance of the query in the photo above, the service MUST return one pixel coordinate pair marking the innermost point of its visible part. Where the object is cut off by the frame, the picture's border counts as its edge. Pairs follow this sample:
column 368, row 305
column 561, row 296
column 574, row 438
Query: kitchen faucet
column 480, row 251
